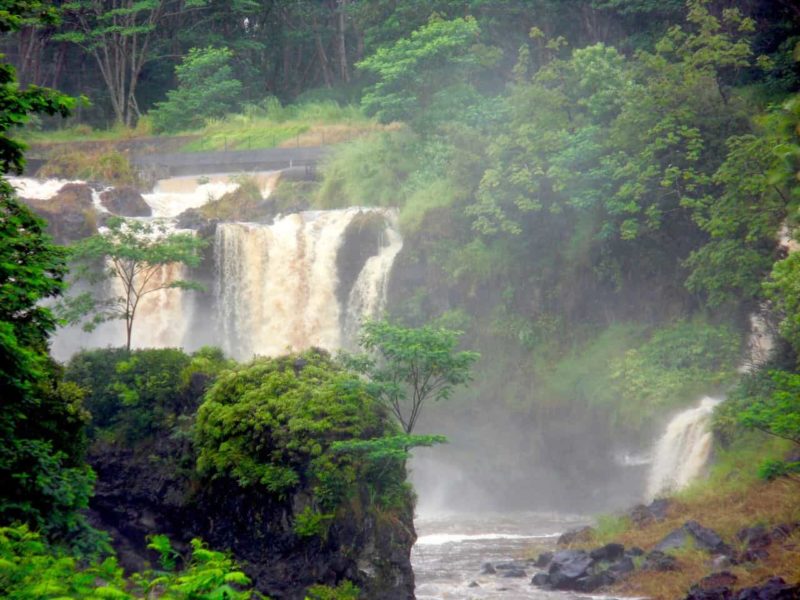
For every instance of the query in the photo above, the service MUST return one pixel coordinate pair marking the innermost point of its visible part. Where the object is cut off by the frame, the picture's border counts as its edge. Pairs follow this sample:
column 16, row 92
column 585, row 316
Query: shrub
column 139, row 393
column 107, row 166
column 272, row 422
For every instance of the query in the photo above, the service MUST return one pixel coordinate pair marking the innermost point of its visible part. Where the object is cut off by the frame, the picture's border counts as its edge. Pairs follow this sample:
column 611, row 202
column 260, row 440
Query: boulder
column 488, row 569
column 609, row 552
column 541, row 579
column 515, row 572
column 718, row 593
column 70, row 214
column 658, row 561
column 642, row 515
column 126, row 202
column 634, row 551
column 569, row 566
column 783, row 531
column 473, row 584
column 774, row 589
column 543, row 560
column 581, row 534
column 622, row 567
column 694, row 533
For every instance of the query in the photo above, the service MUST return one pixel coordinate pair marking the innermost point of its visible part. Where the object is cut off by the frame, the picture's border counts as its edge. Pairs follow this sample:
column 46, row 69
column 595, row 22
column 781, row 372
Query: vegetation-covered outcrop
column 245, row 458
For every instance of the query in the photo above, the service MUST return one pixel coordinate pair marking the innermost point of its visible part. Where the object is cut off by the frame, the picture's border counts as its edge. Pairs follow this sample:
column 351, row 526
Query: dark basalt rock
column 643, row 515
column 488, row 569
column 145, row 491
column 717, row 593
column 622, row 567
column 701, row 537
column 516, row 564
column 473, row 584
column 568, row 567
column 774, row 589
column 609, row 552
column 541, row 579
column 783, row 531
column 70, row 214
column 634, row 551
column 514, row 572
column 126, row 202
column 543, row 560
column 581, row 534
column 658, row 561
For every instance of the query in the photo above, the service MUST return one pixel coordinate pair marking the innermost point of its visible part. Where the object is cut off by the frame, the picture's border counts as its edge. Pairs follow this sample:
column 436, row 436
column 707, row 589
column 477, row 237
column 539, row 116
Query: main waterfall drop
column 279, row 286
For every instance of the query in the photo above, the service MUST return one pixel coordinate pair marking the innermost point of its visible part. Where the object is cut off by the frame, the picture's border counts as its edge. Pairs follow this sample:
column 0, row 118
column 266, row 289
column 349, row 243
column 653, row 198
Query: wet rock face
column 362, row 239
column 125, row 202
column 151, row 490
column 694, row 533
column 773, row 589
column 70, row 214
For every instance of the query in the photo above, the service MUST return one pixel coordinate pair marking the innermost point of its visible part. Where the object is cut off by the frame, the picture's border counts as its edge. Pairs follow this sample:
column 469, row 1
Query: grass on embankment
column 265, row 125
column 732, row 498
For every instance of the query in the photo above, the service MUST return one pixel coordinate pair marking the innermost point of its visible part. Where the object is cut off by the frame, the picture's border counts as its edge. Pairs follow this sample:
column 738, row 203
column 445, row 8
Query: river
column 451, row 549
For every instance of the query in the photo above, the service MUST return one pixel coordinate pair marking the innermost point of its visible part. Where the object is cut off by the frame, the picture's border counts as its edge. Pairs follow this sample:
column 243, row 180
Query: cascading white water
column 681, row 454
column 368, row 296
column 277, row 284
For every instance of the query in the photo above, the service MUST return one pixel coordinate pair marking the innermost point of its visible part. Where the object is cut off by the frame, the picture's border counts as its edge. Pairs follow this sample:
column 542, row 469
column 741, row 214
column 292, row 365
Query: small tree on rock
column 134, row 253
column 407, row 367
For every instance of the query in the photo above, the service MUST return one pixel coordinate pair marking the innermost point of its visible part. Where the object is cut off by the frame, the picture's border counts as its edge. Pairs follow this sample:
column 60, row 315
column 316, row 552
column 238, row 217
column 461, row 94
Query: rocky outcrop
column 719, row 588
column 362, row 239
column 154, row 490
column 70, row 214
column 582, row 571
column 698, row 536
column 125, row 201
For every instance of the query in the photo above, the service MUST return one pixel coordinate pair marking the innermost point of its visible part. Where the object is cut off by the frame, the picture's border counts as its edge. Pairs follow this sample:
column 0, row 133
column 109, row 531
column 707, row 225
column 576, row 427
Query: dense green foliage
column 43, row 479
column 134, row 395
column 311, row 49
column 206, row 88
column 136, row 254
column 29, row 570
column 275, row 423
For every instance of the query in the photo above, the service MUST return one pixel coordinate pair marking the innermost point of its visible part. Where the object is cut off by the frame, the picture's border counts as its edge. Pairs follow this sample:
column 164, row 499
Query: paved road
column 199, row 163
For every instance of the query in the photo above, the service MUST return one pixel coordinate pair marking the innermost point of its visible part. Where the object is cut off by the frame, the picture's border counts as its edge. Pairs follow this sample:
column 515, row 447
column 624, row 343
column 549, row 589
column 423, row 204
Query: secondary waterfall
column 682, row 452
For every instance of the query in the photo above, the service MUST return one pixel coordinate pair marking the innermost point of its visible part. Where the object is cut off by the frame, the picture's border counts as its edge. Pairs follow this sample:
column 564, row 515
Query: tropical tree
column 43, row 479
column 136, row 254
column 407, row 367
column 429, row 76
column 206, row 88
column 119, row 35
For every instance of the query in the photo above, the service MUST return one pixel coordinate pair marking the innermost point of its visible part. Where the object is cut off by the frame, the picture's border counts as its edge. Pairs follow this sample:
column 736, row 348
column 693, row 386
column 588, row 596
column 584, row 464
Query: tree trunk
column 344, row 68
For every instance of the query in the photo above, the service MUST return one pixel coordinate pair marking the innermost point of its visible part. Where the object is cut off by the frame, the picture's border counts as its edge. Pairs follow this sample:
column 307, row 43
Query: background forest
column 600, row 193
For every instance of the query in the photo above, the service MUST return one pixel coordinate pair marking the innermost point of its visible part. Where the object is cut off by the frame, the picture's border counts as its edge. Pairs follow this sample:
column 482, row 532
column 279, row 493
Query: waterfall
column 368, row 296
column 682, row 452
column 274, row 287
column 277, row 284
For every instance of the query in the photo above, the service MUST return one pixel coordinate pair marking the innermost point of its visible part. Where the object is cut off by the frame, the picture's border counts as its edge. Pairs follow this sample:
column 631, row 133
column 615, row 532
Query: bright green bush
column 272, row 423
column 30, row 570
column 138, row 393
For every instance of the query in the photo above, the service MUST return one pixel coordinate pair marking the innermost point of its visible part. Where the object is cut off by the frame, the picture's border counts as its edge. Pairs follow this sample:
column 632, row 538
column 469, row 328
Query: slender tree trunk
column 324, row 64
column 344, row 68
